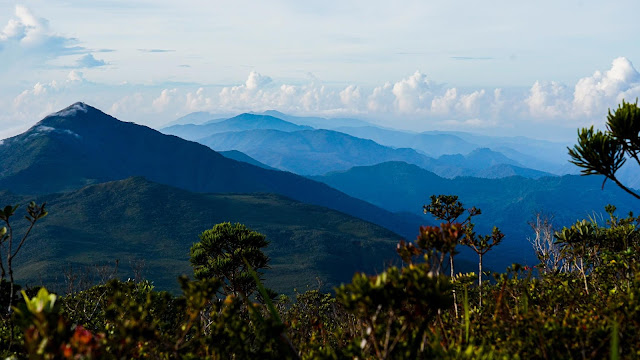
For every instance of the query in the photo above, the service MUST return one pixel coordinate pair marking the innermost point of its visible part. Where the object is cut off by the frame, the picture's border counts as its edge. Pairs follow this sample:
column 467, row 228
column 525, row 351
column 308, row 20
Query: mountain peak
column 72, row 110
column 274, row 113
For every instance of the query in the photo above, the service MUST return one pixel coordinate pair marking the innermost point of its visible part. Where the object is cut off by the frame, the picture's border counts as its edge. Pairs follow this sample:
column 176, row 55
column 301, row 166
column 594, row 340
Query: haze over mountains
column 343, row 217
column 306, row 151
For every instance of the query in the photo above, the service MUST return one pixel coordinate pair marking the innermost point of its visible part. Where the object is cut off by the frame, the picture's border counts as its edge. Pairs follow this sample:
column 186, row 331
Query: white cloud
column 161, row 102
column 442, row 105
column 350, row 97
column 547, row 100
column 197, row 101
column 591, row 96
column 29, row 38
column 256, row 81
column 415, row 100
column 469, row 104
column 381, row 99
column 603, row 90
column 412, row 93
column 75, row 76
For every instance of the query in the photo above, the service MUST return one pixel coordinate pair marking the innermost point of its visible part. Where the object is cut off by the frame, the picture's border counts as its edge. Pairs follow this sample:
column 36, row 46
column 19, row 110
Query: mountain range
column 301, row 150
column 118, row 190
column 81, row 145
column 237, row 123
column 508, row 203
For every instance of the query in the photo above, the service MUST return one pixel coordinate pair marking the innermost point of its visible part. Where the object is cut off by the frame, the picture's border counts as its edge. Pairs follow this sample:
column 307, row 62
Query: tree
column 9, row 247
column 605, row 152
column 449, row 209
column 481, row 244
column 226, row 252
column 544, row 244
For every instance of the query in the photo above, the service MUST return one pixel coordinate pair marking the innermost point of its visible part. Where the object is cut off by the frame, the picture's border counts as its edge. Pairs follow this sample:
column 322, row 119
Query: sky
column 540, row 69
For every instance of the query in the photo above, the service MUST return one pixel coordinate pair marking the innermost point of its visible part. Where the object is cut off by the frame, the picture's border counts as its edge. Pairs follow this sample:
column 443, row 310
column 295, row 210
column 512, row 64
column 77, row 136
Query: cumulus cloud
column 256, row 81
column 601, row 90
column 442, row 105
column 26, row 35
column 411, row 94
column 161, row 102
column 591, row 96
column 88, row 61
column 43, row 96
column 197, row 101
column 351, row 97
column 415, row 98
column 547, row 100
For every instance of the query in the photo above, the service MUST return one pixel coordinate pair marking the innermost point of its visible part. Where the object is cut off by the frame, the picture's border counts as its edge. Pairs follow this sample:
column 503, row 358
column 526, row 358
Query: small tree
column 481, row 244
column 9, row 246
column 448, row 208
column 605, row 152
column 224, row 253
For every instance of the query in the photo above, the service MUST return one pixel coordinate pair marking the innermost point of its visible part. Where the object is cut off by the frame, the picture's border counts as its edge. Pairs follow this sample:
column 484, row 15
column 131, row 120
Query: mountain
column 507, row 203
column 499, row 171
column 81, row 145
column 311, row 152
column 317, row 122
column 138, row 219
column 480, row 158
column 433, row 145
column 539, row 155
column 238, row 123
column 199, row 117
column 549, row 154
column 240, row 156
column 316, row 152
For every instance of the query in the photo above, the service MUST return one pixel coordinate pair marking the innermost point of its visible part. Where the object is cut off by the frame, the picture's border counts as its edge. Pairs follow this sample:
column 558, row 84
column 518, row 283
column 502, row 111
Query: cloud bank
column 415, row 98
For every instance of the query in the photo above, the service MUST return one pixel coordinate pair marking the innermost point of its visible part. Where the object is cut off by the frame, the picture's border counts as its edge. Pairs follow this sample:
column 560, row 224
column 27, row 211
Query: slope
column 508, row 203
column 138, row 219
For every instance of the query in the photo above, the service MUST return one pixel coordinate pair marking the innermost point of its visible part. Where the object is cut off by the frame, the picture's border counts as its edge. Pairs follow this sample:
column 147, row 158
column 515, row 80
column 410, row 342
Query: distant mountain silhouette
column 317, row 152
column 317, row 122
column 433, row 145
column 311, row 152
column 238, row 123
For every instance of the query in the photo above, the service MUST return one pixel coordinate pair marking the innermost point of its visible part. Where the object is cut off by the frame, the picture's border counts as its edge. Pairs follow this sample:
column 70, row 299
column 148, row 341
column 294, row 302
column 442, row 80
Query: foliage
column 587, row 309
column 10, row 246
column 604, row 153
column 227, row 252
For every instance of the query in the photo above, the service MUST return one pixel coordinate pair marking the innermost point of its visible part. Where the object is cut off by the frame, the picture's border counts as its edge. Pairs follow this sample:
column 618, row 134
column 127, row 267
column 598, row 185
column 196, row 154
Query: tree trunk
column 480, row 277
column 455, row 298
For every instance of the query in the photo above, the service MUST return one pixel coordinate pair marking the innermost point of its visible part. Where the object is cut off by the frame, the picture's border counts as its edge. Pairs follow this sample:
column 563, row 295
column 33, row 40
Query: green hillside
column 138, row 219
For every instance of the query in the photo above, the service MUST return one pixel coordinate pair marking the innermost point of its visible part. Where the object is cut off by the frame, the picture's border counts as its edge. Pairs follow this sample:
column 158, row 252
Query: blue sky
column 506, row 67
